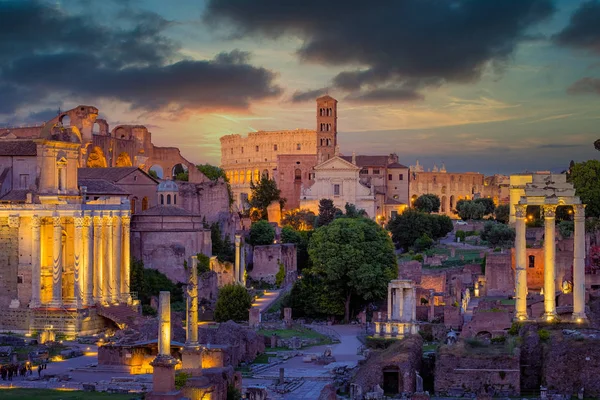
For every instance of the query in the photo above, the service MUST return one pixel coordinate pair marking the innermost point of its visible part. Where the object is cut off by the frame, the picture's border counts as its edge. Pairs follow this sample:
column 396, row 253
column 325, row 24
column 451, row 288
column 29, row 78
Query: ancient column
column 117, row 262
column 125, row 259
column 243, row 262
column 107, row 255
column 521, row 261
column 414, row 304
column 192, row 302
column 236, row 269
column 36, row 270
column 56, row 261
column 399, row 306
column 78, row 255
column 98, row 261
column 88, row 261
column 389, row 302
column 549, row 263
column 164, row 324
column 579, row 264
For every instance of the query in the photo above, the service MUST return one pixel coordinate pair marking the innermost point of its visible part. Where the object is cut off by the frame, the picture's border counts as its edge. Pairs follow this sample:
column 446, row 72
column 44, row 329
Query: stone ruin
column 401, row 311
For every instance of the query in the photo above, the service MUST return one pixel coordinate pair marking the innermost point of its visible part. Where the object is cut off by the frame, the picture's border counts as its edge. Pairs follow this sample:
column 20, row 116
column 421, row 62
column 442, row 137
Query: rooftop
column 18, row 148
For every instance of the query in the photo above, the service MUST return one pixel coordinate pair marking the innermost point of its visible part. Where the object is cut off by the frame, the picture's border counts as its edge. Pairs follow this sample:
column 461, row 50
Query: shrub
column 418, row 257
column 544, row 334
column 499, row 339
column 379, row 343
column 280, row 276
column 181, row 379
column 261, row 233
column 423, row 243
column 460, row 235
column 203, row 263
column 515, row 328
column 148, row 310
column 233, row 303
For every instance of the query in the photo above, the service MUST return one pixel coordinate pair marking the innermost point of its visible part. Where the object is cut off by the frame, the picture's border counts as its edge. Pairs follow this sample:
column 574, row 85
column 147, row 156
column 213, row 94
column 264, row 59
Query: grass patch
column 430, row 347
column 48, row 394
column 263, row 358
column 298, row 332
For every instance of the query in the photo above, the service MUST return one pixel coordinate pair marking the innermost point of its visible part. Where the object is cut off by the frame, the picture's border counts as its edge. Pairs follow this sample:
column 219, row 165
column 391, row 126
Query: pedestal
column 163, row 379
column 191, row 358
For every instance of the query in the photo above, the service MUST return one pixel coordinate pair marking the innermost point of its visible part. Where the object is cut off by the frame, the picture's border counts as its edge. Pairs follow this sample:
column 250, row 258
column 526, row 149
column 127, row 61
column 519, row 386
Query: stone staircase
column 121, row 314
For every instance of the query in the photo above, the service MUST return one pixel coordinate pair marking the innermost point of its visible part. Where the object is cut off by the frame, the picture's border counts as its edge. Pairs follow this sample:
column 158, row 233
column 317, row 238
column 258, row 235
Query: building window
column 24, row 181
column 144, row 204
column 242, row 150
column 375, row 172
column 168, row 199
column 162, row 199
column 257, row 149
column 297, row 175
column 394, row 214
column 232, row 150
column 401, row 177
column 435, row 179
column 133, row 201
column 274, row 147
column 531, row 261
column 298, row 146
column 389, row 177
column 336, row 190
column 174, row 199
column 364, row 171
column 311, row 176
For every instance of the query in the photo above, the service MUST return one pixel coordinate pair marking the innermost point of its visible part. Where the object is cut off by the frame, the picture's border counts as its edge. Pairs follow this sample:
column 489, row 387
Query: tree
column 153, row 174
column 327, row 212
column 182, row 176
column 261, row 233
column 300, row 239
column 409, row 226
column 233, row 303
column 502, row 213
column 221, row 247
column 470, row 210
column 149, row 282
column 299, row 219
column 585, row 177
column 263, row 194
column 356, row 257
column 487, row 203
column 427, row 203
column 497, row 234
column 423, row 243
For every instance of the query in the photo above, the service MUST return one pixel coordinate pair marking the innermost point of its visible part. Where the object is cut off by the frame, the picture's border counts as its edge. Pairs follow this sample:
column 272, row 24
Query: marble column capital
column 520, row 210
column 87, row 221
column 97, row 221
column 36, row 221
column 549, row 211
column 56, row 222
column 14, row 221
column 579, row 210
column 116, row 220
column 78, row 221
column 107, row 220
column 126, row 220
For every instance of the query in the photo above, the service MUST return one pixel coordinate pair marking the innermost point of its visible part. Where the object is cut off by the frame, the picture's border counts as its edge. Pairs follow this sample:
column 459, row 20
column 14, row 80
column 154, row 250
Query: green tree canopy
column 409, row 226
column 497, row 234
column 468, row 209
column 327, row 212
column 261, row 233
column 502, row 213
column 300, row 239
column 585, row 177
column 263, row 194
column 212, row 172
column 355, row 257
column 487, row 203
column 221, row 246
column 233, row 303
column 427, row 203
column 353, row 212
column 299, row 219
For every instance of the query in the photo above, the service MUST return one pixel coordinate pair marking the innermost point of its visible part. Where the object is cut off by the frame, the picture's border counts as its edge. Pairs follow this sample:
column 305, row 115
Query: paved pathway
column 268, row 298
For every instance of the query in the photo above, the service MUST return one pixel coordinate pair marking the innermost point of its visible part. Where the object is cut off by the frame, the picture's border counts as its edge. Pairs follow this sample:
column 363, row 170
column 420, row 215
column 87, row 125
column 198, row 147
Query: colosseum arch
column 96, row 158
column 123, row 160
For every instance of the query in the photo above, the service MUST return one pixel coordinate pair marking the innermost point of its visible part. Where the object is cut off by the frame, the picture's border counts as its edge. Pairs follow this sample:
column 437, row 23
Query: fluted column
column 98, row 261
column 192, row 302
column 579, row 264
column 56, row 261
column 79, row 271
column 107, row 242
column 88, row 261
column 36, row 270
column 389, row 303
column 117, row 263
column 125, row 258
column 549, row 262
column 521, row 263
column 236, row 269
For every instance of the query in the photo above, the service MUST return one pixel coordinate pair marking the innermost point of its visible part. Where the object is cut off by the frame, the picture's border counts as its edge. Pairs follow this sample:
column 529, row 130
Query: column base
column 35, row 304
column 55, row 304
column 579, row 318
column 550, row 316
column 520, row 317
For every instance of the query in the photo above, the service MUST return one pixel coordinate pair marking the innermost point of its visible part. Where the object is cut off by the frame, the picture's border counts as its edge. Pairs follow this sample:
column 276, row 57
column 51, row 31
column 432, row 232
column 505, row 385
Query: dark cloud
column 47, row 52
column 583, row 30
column 308, row 95
column 585, row 85
column 558, row 146
column 388, row 94
column 414, row 43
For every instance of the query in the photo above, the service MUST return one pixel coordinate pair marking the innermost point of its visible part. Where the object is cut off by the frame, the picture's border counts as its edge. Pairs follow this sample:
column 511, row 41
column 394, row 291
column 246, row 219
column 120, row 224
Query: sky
column 492, row 86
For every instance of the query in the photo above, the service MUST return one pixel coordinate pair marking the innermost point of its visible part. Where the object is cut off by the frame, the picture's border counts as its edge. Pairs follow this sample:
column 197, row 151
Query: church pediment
column 336, row 163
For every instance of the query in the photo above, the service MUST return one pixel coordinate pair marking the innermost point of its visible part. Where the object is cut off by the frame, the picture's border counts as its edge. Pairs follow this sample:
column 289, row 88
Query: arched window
column 297, row 175
column 265, row 174
column 133, row 205
column 144, row 203
column 174, row 199
column 162, row 199
column 168, row 199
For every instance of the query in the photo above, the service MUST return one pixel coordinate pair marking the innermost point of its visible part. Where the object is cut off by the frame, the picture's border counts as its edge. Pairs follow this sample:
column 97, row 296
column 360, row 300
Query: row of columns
column 550, row 262
column 101, row 259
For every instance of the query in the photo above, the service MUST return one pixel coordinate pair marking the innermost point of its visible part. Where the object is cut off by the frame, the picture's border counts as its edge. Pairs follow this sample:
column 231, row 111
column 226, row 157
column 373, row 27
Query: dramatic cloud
column 388, row 44
column 300, row 96
column 48, row 52
column 583, row 31
column 585, row 85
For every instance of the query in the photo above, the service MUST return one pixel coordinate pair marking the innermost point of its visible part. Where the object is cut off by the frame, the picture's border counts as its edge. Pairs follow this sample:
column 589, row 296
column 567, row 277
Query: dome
column 167, row 186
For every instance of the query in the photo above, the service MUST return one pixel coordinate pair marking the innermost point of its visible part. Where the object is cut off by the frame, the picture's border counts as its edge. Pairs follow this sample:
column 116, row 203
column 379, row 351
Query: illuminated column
column 414, row 304
column 107, row 256
column 56, row 261
column 549, row 263
column 117, row 262
column 243, row 262
column 88, row 261
column 389, row 303
column 236, row 269
column 125, row 258
column 98, row 261
column 192, row 302
column 164, row 324
column 36, row 271
column 579, row 264
column 79, row 271
column 399, row 306
column 521, row 260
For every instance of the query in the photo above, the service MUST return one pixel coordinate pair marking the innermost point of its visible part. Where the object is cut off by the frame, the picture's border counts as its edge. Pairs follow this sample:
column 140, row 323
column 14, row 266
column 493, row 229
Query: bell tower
column 326, row 128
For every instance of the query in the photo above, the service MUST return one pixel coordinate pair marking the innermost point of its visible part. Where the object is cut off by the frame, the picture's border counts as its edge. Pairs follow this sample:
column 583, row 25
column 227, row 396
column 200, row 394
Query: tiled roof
column 15, row 195
column 100, row 186
column 18, row 148
column 369, row 161
column 162, row 210
column 113, row 174
column 390, row 201
column 396, row 165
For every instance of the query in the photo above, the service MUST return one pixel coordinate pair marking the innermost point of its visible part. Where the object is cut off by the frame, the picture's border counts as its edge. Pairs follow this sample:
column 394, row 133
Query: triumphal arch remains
column 548, row 191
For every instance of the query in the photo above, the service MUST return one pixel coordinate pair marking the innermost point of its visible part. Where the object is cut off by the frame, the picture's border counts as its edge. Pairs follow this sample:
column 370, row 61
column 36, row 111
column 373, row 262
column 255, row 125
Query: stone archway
column 156, row 171
column 96, row 158
column 391, row 379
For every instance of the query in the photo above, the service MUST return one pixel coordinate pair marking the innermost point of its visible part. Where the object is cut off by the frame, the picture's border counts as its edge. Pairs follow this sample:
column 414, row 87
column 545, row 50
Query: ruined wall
column 411, row 270
column 242, row 344
column 460, row 369
column 9, row 262
column 499, row 275
column 493, row 320
column 268, row 259
column 435, row 280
